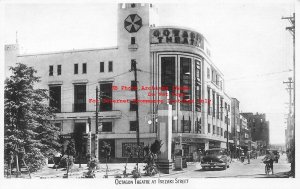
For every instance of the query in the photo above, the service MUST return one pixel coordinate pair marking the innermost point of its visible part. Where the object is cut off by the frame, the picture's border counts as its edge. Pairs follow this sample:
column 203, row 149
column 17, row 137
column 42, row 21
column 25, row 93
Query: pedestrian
column 248, row 156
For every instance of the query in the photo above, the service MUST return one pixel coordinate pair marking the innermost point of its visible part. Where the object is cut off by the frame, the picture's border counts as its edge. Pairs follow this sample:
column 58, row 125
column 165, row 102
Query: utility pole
column 96, row 130
column 291, row 29
column 133, row 67
column 290, row 114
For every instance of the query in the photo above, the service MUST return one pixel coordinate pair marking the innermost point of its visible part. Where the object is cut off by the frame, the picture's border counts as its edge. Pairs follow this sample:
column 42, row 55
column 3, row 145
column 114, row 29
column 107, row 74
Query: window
column 133, row 86
column 79, row 98
column 208, row 104
column 58, row 69
column 75, row 68
column 106, row 126
column 50, row 70
column 222, row 109
column 214, row 129
column 198, row 85
column 110, row 66
column 133, row 106
column 185, row 83
column 208, row 73
column 168, row 75
column 84, row 68
column 218, row 107
column 59, row 125
column 106, row 95
column 214, row 104
column 101, row 66
column 55, row 97
column 221, row 131
column 132, row 40
column 186, row 126
column 208, row 128
column 133, row 126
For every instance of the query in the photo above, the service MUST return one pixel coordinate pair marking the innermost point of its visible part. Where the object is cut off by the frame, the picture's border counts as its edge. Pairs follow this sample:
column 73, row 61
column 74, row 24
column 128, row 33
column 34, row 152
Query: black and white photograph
column 160, row 93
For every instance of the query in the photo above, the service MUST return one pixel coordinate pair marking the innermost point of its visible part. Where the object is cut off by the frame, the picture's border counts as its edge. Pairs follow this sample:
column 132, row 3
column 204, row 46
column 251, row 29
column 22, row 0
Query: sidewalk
column 113, row 170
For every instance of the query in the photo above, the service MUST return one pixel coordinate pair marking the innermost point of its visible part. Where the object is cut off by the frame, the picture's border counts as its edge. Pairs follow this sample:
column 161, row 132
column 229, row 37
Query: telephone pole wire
column 291, row 29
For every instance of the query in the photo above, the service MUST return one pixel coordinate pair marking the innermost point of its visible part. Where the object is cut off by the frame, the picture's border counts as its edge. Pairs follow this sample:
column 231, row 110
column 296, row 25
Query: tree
column 106, row 148
column 150, row 157
column 28, row 127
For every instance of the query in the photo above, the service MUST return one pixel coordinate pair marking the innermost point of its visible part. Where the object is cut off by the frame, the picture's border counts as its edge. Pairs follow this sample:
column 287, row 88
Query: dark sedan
column 216, row 157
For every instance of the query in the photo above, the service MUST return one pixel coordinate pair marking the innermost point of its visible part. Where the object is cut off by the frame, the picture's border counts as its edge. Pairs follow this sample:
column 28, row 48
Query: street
column 237, row 169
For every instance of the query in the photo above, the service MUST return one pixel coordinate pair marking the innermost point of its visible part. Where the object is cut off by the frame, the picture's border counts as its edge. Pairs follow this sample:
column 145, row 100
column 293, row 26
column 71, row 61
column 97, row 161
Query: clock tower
column 134, row 23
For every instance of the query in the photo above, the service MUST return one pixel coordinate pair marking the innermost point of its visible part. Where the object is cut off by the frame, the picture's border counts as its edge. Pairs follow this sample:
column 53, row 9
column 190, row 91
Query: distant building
column 235, row 124
column 260, row 132
column 245, row 134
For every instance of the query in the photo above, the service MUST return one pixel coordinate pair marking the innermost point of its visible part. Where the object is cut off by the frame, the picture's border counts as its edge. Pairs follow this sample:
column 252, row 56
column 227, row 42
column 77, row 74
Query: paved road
column 237, row 170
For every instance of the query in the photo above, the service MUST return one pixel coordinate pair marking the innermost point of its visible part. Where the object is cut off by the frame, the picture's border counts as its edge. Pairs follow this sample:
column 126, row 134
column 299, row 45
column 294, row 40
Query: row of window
column 217, row 110
column 84, row 68
column 80, row 98
column 51, row 70
column 216, row 130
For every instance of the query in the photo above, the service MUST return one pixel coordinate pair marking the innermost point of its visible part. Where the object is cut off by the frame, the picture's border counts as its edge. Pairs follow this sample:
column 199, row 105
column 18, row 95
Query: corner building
column 177, row 59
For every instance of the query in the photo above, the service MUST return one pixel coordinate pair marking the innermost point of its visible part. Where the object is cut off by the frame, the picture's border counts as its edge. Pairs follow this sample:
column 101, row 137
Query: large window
column 50, row 70
column 218, row 107
column 133, row 106
column 168, row 74
column 84, row 67
column 214, row 104
column 58, row 69
column 208, row 104
column 79, row 98
column 198, row 85
column 106, row 96
column 133, row 125
column 110, row 66
column 75, row 68
column 101, row 66
column 186, row 125
column 106, row 126
column 55, row 97
column 185, row 83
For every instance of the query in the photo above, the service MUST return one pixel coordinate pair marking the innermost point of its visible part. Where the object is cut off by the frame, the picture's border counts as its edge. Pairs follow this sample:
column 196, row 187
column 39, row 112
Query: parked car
column 216, row 157
column 276, row 155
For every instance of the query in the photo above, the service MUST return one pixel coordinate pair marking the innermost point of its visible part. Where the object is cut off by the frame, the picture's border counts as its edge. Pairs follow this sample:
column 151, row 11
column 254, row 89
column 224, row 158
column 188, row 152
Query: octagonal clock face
column 133, row 23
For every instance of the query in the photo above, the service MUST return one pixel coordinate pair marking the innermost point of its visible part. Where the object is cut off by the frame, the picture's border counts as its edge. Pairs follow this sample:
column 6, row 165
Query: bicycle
column 268, row 168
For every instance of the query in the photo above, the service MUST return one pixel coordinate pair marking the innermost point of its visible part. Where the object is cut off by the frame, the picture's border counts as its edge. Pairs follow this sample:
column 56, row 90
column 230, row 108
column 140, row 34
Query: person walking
column 248, row 156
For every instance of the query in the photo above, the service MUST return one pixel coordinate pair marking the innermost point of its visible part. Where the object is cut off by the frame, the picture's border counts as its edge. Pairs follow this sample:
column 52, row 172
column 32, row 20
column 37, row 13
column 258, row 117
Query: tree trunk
column 17, row 165
column 68, row 167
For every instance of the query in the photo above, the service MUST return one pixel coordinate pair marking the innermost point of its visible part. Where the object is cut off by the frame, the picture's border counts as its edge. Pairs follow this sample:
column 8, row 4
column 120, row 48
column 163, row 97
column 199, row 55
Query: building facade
column 168, row 59
column 260, row 132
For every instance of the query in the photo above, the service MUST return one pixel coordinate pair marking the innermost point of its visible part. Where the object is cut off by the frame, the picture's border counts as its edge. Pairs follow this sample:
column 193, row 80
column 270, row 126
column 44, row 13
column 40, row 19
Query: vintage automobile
column 216, row 157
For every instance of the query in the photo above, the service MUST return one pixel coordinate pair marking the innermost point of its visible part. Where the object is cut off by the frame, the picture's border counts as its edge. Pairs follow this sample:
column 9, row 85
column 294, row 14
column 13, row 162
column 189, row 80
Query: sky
column 248, row 40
